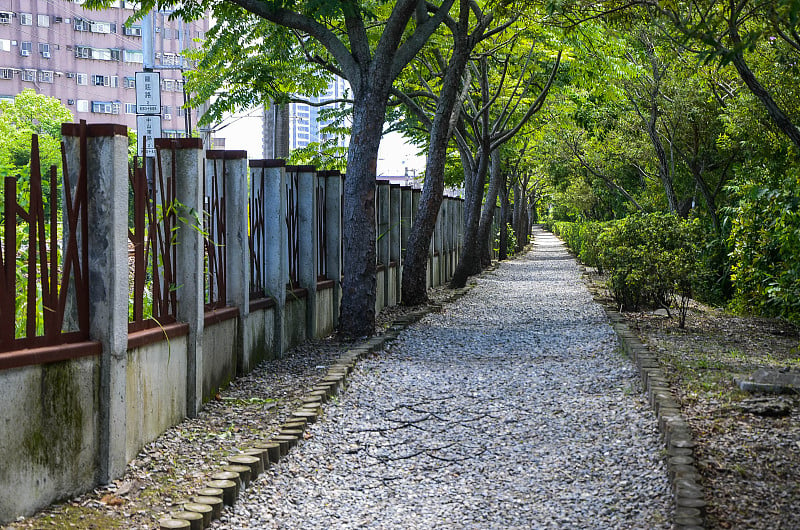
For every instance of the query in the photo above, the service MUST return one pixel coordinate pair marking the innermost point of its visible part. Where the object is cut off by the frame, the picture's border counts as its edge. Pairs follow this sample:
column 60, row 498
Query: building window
column 83, row 52
column 130, row 108
column 81, row 24
column 6, row 73
column 132, row 31
column 5, row 17
column 169, row 85
column 43, row 21
column 29, row 75
column 83, row 105
column 101, row 80
column 26, row 19
column 115, row 106
column 44, row 49
column 115, row 81
column 132, row 56
column 25, row 48
column 101, row 27
column 102, row 107
column 5, row 45
column 82, row 79
column 115, row 54
column 129, row 82
column 46, row 76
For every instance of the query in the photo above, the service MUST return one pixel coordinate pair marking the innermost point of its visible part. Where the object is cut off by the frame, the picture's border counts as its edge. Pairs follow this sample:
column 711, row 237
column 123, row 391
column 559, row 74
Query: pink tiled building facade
column 88, row 59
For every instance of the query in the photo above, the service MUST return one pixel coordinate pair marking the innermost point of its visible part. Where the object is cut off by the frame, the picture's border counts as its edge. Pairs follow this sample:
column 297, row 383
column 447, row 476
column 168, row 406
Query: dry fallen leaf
column 112, row 500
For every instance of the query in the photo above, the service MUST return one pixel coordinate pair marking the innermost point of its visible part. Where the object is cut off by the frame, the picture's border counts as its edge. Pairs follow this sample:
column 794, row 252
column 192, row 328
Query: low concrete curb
column 688, row 493
column 225, row 486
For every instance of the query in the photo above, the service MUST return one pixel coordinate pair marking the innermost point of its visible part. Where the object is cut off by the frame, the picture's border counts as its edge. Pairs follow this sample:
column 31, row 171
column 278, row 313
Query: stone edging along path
column 688, row 493
column 223, row 487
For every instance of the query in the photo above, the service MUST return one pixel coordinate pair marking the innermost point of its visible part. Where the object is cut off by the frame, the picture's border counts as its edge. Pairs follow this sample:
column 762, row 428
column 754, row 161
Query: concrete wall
column 219, row 356
column 156, row 391
column 259, row 343
column 50, row 439
column 295, row 323
column 325, row 312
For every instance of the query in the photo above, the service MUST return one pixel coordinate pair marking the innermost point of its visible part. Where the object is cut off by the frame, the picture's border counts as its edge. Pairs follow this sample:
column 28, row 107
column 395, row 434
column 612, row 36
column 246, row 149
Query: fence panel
column 42, row 303
column 292, row 220
column 214, row 231
column 322, row 238
column 257, row 233
column 153, row 295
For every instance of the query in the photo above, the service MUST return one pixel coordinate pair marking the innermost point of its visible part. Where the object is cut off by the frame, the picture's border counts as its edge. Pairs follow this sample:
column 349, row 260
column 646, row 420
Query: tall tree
column 368, row 44
column 440, row 92
column 492, row 115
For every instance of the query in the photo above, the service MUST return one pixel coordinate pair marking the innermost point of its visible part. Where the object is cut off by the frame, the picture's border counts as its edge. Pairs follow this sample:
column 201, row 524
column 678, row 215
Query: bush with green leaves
column 765, row 246
column 582, row 239
column 651, row 260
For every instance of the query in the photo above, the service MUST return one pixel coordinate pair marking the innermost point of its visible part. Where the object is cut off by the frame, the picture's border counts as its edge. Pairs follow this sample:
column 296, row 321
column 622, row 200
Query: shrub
column 765, row 245
column 582, row 239
column 651, row 259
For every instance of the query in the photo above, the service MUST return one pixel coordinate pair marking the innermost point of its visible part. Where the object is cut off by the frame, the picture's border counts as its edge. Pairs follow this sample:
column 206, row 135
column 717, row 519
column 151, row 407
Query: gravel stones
column 509, row 409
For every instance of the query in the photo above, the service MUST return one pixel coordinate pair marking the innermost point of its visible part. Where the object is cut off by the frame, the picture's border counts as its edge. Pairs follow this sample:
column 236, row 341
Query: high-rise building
column 305, row 124
column 88, row 59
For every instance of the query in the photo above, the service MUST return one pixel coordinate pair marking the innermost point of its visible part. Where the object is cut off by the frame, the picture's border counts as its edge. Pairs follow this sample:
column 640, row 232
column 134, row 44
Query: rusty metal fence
column 214, row 234
column 51, row 307
column 153, row 297
column 292, row 220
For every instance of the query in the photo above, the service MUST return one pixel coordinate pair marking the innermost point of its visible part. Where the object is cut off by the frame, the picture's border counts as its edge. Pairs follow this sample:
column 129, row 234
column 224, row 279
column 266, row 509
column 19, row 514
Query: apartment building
column 307, row 126
column 88, row 59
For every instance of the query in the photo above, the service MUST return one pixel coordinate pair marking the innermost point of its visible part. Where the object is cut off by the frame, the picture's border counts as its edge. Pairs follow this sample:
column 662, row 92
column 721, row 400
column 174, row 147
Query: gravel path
column 510, row 409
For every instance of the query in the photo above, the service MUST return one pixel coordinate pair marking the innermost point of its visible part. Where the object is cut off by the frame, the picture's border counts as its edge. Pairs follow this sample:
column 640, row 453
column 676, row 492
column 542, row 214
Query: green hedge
column 581, row 238
column 651, row 259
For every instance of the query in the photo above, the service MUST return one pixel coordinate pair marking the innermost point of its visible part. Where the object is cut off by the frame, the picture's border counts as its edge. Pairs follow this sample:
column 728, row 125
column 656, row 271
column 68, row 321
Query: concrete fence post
column 107, row 241
column 307, row 243
column 232, row 165
column 182, row 159
column 333, row 235
column 276, row 261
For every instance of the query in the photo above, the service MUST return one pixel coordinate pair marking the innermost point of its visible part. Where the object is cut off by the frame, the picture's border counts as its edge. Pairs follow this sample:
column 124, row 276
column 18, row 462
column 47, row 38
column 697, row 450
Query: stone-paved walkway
column 510, row 409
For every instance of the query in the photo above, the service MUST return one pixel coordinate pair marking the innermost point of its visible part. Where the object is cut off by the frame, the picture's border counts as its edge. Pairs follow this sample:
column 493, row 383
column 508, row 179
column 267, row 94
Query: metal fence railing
column 44, row 300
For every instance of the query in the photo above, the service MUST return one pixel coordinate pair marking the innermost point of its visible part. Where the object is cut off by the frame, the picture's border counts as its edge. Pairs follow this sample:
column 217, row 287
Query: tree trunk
column 776, row 114
column 469, row 260
column 519, row 208
column 503, row 251
column 414, row 286
column 487, row 215
column 357, row 315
